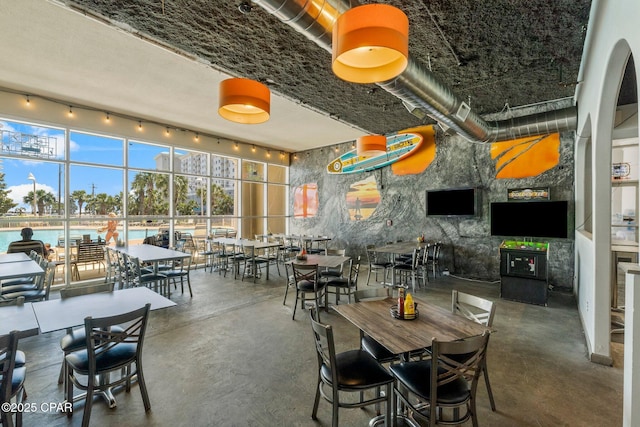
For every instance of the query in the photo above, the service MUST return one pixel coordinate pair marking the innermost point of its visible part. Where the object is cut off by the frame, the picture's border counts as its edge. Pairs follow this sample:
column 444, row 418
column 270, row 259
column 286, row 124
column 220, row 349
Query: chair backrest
column 371, row 293
column 26, row 246
column 336, row 252
column 457, row 360
column 74, row 291
column 302, row 272
column 354, row 271
column 478, row 309
column 100, row 338
column 325, row 347
column 49, row 274
column 8, row 348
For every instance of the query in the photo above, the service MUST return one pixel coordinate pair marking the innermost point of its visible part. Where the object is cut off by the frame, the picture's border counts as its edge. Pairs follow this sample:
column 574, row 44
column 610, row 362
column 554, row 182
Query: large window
column 68, row 185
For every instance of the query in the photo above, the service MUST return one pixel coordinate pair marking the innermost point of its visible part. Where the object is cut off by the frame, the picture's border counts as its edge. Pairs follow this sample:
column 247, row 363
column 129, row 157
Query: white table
column 17, row 269
column 15, row 257
column 152, row 253
column 18, row 318
column 58, row 314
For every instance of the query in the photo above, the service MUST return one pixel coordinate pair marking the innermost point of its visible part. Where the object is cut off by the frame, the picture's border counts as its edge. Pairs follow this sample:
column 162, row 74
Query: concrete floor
column 232, row 356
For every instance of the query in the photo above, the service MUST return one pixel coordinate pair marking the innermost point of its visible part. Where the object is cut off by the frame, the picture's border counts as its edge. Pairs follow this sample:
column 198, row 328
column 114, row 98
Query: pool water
column 52, row 235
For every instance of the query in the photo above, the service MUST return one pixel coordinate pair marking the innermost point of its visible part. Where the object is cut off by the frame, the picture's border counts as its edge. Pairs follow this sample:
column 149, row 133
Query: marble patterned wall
column 469, row 250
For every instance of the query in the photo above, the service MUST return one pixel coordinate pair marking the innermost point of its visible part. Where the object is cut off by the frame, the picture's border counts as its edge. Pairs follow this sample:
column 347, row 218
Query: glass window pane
column 276, row 225
column 189, row 193
column 224, row 167
column 21, row 179
column 95, row 191
column 276, row 196
column 252, row 171
column 148, row 156
column 251, row 227
column 96, row 149
column 148, row 194
column 277, row 174
column 30, row 141
column 223, row 197
column 190, row 162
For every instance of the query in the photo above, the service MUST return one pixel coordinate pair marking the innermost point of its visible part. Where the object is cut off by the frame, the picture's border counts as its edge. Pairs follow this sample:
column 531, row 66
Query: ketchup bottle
column 401, row 302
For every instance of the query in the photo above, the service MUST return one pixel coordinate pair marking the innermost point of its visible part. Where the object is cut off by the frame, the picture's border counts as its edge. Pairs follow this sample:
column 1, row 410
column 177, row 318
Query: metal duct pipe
column 417, row 87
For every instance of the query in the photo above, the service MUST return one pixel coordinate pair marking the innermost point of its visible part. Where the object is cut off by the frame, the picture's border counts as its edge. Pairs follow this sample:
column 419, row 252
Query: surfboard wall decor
column 399, row 146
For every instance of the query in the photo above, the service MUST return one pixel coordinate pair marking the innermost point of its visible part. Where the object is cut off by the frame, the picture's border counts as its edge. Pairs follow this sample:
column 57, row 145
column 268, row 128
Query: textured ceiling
column 491, row 53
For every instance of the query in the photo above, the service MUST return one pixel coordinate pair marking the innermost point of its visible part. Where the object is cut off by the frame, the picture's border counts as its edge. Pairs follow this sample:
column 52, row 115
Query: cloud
column 19, row 191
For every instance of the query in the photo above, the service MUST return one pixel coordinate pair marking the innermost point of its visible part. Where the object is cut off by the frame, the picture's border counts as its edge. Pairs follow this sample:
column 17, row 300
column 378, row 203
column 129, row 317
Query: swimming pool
column 51, row 235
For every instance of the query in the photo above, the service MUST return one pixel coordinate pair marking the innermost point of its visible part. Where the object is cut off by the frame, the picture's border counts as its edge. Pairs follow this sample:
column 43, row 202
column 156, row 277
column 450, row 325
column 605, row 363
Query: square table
column 14, row 257
column 403, row 336
column 13, row 270
column 57, row 314
column 323, row 261
column 18, row 318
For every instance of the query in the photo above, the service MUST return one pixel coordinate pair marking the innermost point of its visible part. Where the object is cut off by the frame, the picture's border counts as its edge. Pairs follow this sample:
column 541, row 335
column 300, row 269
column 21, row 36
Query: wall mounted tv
column 530, row 219
column 452, row 202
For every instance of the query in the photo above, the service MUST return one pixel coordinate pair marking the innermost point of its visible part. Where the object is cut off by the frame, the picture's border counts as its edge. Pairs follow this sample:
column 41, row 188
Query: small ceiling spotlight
column 269, row 153
column 139, row 125
column 70, row 111
column 28, row 101
column 236, row 146
column 167, row 131
column 107, row 118
column 197, row 138
column 245, row 7
column 253, row 148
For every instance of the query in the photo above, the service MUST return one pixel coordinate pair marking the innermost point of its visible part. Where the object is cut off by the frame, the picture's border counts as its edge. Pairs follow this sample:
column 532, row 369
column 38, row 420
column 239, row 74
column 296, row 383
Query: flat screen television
column 530, row 219
column 452, row 202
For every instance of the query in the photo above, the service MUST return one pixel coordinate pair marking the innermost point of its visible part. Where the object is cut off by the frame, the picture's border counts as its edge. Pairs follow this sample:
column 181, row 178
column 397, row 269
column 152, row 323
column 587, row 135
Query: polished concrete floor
column 232, row 356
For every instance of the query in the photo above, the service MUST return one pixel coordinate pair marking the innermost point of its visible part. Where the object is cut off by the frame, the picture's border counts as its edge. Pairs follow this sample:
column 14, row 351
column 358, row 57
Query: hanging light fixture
column 371, row 145
column 370, row 43
column 244, row 101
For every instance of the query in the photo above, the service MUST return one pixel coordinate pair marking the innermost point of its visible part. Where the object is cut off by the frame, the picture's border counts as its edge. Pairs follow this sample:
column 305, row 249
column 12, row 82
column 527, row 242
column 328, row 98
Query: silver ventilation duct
column 421, row 91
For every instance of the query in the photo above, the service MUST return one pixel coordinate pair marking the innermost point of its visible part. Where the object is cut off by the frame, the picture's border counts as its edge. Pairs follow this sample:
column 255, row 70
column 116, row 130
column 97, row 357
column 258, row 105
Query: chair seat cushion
column 20, row 281
column 331, row 273
column 377, row 350
column 308, row 286
column 77, row 339
column 21, row 359
column 117, row 356
column 416, row 376
column 23, row 287
column 338, row 282
column 357, row 369
column 28, row 295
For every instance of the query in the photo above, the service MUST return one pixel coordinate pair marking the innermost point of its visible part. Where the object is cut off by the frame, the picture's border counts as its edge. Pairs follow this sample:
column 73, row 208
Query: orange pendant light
column 370, row 43
column 244, row 101
column 371, row 145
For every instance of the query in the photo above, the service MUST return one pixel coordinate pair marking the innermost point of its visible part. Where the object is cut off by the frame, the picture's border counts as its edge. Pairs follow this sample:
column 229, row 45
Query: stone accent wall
column 469, row 250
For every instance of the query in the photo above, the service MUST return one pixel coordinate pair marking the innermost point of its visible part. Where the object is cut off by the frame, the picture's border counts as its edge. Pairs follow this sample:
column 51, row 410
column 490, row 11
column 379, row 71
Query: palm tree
column 46, row 201
column 6, row 202
column 79, row 196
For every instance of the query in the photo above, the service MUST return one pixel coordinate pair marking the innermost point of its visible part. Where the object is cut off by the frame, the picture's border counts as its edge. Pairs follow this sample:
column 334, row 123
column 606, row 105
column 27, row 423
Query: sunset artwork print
column 305, row 201
column 362, row 199
column 526, row 157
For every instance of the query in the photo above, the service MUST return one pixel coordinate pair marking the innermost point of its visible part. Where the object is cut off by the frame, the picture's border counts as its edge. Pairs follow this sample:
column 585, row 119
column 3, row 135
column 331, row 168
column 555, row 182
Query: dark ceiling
column 493, row 54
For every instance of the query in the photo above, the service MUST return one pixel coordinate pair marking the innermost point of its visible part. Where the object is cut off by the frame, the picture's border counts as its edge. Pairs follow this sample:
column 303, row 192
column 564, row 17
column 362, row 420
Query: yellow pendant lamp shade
column 371, row 145
column 370, row 43
column 244, row 101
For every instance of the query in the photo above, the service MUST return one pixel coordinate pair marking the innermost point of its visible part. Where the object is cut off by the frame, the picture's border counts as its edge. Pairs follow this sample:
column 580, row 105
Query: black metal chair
column 12, row 379
column 376, row 264
column 352, row 371
column 345, row 285
column 307, row 282
column 108, row 350
column 442, row 390
column 75, row 338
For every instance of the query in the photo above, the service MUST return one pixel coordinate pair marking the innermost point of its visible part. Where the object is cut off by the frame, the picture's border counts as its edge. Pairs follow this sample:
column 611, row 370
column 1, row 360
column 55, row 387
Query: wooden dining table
column 404, row 336
column 398, row 248
column 323, row 261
